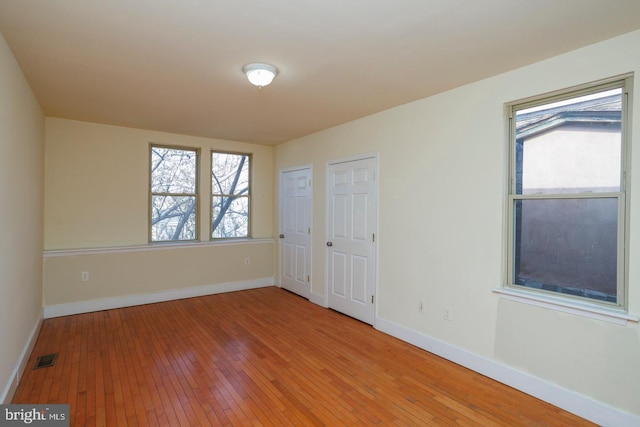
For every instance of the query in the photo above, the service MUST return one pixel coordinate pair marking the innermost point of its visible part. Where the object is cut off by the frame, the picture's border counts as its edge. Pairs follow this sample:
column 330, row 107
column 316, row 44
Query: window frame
column 248, row 195
column 625, row 82
column 196, row 193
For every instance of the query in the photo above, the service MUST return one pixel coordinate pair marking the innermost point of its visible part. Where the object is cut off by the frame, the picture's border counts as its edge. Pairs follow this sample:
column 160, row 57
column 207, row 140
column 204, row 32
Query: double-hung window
column 173, row 197
column 230, row 195
column 567, row 209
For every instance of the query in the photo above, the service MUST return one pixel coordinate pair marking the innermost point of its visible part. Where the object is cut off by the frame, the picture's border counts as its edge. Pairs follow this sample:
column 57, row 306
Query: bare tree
column 230, row 195
column 173, row 194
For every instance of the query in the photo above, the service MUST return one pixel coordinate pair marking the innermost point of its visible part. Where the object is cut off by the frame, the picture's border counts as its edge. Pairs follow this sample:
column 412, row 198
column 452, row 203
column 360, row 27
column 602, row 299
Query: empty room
column 320, row 213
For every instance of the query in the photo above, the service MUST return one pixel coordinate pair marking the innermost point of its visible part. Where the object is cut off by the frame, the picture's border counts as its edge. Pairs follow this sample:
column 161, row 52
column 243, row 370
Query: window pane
column 229, row 174
column 173, row 218
column 173, row 171
column 230, row 217
column 572, row 146
column 567, row 246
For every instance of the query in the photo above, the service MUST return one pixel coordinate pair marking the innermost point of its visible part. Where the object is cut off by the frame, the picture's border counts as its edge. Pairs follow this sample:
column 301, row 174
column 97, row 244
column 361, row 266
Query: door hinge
column 309, row 183
column 308, row 278
column 371, row 299
column 373, row 237
column 309, row 230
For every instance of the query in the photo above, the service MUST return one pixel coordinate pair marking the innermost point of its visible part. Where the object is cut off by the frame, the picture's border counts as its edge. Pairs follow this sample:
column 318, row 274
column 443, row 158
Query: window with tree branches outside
column 230, row 195
column 174, row 194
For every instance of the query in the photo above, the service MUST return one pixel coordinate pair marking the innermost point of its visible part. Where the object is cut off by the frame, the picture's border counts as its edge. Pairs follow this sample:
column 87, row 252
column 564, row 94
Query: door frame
column 376, row 190
column 281, row 173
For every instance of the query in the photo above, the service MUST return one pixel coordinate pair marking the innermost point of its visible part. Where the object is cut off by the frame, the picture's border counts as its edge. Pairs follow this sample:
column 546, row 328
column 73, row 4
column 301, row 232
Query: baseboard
column 583, row 406
column 140, row 299
column 16, row 375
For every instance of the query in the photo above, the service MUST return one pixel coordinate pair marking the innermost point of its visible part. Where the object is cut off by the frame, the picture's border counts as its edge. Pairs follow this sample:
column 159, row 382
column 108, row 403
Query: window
column 230, row 195
column 567, row 194
column 174, row 194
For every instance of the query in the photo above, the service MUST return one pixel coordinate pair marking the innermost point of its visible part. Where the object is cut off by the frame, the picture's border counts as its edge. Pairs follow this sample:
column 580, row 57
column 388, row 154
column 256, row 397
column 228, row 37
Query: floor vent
column 46, row 361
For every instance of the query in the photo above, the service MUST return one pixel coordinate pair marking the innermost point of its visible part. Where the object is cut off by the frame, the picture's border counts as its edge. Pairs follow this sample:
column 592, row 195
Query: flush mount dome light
column 260, row 74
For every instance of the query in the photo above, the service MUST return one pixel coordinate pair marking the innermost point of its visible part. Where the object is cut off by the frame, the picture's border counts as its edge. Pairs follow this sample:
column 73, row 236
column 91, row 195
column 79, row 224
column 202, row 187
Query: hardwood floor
column 262, row 357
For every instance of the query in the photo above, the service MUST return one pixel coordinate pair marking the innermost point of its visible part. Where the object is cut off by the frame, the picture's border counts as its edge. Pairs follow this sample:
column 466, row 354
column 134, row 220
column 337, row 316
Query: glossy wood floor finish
column 262, row 357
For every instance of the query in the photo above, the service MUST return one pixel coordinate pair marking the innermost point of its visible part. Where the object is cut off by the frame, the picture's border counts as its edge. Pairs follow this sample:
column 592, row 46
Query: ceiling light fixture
column 260, row 74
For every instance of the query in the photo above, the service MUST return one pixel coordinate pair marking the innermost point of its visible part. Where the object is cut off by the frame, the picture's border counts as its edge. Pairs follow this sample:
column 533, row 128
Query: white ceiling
column 176, row 65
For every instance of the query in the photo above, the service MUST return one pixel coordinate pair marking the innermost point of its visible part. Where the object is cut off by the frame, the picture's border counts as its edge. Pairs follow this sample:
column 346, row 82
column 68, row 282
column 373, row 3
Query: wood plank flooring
column 262, row 357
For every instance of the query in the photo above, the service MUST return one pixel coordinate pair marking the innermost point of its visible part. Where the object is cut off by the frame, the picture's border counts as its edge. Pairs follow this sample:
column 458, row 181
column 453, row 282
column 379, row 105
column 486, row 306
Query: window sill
column 587, row 310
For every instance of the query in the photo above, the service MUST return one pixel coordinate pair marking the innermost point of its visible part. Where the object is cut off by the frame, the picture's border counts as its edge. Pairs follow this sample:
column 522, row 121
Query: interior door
column 351, row 247
column 295, row 231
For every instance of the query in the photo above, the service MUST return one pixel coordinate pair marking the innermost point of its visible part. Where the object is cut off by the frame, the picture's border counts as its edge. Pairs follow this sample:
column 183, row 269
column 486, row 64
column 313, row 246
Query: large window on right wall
column 567, row 208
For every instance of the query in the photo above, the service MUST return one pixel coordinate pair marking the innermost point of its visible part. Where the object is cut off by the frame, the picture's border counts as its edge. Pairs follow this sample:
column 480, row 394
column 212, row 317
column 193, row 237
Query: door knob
column 282, row 236
column 329, row 244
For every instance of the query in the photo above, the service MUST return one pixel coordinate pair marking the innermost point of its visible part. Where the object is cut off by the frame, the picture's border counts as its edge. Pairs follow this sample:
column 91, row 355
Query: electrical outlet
column 421, row 306
column 84, row 276
column 446, row 313
column 247, row 261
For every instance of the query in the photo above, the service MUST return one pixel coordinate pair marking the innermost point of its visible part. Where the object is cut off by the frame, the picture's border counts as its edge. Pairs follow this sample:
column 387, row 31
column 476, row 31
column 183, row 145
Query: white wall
column 21, row 192
column 96, row 199
column 97, row 183
column 442, row 187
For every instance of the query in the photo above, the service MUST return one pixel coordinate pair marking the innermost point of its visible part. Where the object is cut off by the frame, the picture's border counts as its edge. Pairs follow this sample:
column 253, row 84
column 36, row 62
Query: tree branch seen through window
column 173, row 204
column 229, row 195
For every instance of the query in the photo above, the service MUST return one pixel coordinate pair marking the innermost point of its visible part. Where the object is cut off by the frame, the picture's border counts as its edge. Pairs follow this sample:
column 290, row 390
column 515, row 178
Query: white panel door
column 295, row 231
column 351, row 248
